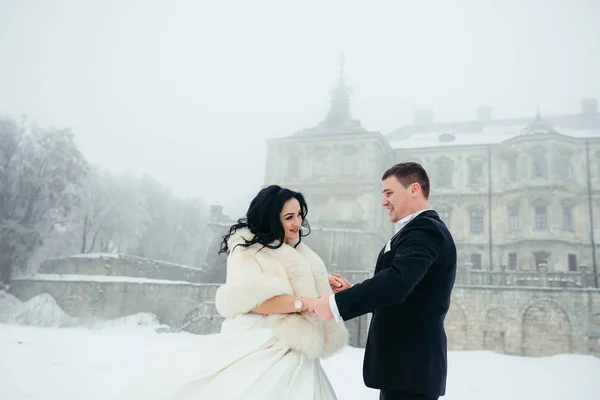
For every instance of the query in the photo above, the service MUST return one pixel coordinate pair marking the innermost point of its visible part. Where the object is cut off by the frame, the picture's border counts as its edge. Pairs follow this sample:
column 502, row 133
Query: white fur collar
column 257, row 273
column 299, row 262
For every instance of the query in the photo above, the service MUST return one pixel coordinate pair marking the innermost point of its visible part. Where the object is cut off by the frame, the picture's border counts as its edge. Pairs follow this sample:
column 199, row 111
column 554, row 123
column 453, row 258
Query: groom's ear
column 415, row 189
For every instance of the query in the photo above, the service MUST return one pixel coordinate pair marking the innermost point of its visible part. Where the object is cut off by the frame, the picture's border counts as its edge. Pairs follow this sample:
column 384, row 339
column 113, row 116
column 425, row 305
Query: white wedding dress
column 244, row 361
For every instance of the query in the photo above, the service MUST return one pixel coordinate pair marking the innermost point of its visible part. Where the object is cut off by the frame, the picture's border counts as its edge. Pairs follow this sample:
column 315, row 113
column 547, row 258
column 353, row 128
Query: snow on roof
column 489, row 135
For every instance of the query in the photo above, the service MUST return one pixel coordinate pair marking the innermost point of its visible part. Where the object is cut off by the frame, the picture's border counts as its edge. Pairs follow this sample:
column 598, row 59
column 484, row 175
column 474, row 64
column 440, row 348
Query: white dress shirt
column 401, row 224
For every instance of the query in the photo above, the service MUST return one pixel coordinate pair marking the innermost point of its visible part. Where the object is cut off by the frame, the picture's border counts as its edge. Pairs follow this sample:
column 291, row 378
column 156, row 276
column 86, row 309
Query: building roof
column 484, row 130
column 589, row 121
column 471, row 133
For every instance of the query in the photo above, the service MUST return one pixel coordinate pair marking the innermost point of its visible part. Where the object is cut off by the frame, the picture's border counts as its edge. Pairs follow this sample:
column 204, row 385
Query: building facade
column 516, row 192
column 520, row 196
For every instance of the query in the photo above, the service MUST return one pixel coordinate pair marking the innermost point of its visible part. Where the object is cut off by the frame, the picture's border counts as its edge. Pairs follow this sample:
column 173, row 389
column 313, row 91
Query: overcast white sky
column 188, row 91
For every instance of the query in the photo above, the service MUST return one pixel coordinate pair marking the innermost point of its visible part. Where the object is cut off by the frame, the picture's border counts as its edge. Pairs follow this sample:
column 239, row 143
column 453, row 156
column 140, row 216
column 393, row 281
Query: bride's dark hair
column 263, row 220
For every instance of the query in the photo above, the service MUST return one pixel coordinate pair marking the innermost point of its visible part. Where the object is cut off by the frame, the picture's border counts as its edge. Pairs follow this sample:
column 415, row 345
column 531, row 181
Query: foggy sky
column 188, row 91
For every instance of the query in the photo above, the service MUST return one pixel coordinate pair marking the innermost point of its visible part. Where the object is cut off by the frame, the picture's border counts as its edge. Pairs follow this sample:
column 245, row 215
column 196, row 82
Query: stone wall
column 522, row 320
column 525, row 321
column 120, row 265
column 513, row 320
column 175, row 304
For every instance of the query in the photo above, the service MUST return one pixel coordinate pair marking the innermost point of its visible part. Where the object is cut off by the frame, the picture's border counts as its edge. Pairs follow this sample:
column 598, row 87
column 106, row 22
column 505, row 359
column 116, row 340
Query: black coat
column 409, row 296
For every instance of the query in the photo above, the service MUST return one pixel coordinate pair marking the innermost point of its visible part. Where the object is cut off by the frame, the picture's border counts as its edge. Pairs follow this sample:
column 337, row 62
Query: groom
column 409, row 295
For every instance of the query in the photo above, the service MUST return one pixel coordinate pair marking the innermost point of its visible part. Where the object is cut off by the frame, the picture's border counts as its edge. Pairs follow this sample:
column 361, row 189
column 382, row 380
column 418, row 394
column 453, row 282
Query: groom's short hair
column 408, row 173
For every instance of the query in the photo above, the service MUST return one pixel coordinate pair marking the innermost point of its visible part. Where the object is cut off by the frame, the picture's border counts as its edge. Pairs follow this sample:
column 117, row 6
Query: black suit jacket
column 409, row 296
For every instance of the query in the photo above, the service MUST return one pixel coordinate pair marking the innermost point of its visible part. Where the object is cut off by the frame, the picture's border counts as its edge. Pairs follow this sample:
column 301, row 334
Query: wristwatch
column 298, row 304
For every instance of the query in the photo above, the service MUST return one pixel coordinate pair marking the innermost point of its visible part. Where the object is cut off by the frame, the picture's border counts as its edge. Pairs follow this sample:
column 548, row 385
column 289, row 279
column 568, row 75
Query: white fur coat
column 255, row 276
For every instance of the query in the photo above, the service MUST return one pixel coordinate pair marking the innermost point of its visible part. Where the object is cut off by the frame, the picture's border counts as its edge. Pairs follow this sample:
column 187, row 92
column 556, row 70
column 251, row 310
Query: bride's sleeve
column 247, row 285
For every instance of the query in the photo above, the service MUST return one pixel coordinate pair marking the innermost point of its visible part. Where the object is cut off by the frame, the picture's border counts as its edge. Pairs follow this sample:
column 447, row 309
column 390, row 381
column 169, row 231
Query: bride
column 271, row 341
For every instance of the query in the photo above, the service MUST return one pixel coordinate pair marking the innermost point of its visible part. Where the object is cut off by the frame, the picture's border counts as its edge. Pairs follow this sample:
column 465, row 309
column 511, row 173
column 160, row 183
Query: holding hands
column 320, row 306
column 338, row 283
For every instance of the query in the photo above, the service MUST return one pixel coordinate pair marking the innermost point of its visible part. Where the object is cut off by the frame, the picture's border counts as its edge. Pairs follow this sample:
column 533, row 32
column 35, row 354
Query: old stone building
column 516, row 192
column 521, row 197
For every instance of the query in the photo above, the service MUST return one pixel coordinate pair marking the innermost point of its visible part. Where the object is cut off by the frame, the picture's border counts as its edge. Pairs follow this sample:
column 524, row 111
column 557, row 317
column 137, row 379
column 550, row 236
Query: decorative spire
column 339, row 109
column 538, row 125
column 338, row 119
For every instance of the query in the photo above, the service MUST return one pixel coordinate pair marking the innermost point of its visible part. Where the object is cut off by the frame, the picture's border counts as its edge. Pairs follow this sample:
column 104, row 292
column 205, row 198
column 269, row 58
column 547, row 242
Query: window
column 540, row 169
column 320, row 160
column 541, row 217
column 513, row 219
column 541, row 257
column 512, row 169
column 319, row 167
column 564, row 168
column 563, row 164
column 476, row 221
column 348, row 166
column 476, row 260
column 512, row 260
column 572, row 262
column 567, row 218
column 293, row 167
column 476, row 174
column 445, row 217
column 348, row 161
column 445, row 168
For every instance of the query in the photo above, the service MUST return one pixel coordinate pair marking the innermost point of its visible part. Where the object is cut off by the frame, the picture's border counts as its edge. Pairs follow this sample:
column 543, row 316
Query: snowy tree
column 111, row 217
column 40, row 174
column 178, row 231
column 113, row 214
column 152, row 241
column 129, row 215
column 190, row 234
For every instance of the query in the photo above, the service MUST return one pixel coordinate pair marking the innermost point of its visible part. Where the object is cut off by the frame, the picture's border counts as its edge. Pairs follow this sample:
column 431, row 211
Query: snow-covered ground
column 98, row 361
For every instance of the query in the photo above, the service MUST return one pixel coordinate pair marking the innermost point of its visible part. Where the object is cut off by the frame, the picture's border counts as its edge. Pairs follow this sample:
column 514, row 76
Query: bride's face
column 291, row 220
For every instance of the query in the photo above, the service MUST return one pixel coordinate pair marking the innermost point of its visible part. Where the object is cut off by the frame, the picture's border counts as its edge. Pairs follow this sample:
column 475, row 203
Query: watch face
column 297, row 304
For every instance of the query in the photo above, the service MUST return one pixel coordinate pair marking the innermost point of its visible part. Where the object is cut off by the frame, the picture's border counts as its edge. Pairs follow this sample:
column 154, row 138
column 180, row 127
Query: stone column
column 584, row 270
column 543, row 274
column 468, row 268
column 502, row 275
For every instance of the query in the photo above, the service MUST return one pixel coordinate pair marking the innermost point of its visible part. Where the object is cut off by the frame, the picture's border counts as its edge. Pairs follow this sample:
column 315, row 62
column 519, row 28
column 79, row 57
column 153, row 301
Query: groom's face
column 396, row 198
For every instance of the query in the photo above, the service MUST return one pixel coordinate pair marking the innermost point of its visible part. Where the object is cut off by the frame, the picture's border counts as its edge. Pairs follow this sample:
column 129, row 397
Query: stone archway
column 456, row 328
column 494, row 332
column 546, row 329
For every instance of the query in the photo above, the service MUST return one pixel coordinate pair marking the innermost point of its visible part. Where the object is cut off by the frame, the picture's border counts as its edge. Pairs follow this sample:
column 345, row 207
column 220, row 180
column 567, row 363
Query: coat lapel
column 393, row 243
column 379, row 260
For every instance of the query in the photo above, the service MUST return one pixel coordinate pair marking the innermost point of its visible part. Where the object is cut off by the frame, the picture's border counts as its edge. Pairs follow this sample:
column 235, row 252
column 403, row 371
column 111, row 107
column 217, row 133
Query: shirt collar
column 402, row 223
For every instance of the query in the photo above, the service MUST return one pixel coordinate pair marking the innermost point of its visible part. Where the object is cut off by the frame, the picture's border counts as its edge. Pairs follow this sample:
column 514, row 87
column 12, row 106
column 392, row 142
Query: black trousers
column 393, row 395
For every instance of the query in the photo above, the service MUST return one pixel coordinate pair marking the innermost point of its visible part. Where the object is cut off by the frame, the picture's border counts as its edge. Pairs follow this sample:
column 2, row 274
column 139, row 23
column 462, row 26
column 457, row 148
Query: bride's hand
column 338, row 283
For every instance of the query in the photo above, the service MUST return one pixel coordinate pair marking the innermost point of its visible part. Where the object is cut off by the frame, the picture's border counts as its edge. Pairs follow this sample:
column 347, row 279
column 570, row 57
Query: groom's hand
column 338, row 283
column 322, row 309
